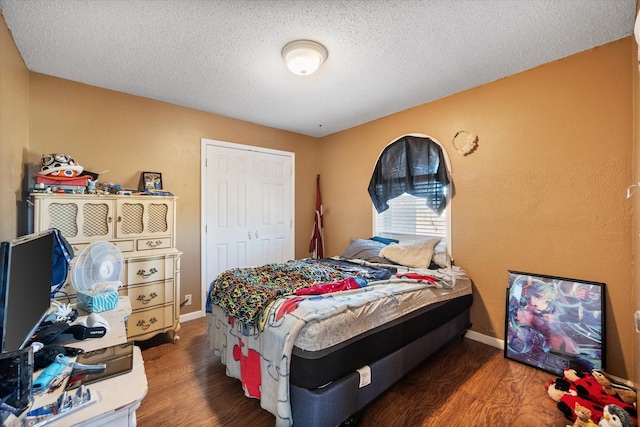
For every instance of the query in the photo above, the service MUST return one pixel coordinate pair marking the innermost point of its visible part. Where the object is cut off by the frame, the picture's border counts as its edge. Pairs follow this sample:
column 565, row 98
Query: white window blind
column 409, row 215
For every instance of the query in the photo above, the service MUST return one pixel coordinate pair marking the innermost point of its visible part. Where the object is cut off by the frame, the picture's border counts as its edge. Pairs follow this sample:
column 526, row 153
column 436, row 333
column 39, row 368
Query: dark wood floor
column 465, row 384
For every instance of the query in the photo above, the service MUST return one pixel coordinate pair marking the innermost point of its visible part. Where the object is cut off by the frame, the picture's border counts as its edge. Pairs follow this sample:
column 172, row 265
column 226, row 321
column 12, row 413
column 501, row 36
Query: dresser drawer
column 147, row 321
column 78, row 247
column 147, row 296
column 149, row 270
column 123, row 245
column 155, row 243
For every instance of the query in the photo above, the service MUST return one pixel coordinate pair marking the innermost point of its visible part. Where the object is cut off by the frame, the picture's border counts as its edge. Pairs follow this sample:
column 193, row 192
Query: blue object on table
column 50, row 372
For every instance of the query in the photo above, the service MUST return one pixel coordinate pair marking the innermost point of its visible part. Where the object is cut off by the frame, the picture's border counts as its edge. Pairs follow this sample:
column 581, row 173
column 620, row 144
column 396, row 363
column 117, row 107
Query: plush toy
column 583, row 417
column 588, row 387
column 615, row 388
column 615, row 416
column 567, row 398
column 582, row 388
column 59, row 165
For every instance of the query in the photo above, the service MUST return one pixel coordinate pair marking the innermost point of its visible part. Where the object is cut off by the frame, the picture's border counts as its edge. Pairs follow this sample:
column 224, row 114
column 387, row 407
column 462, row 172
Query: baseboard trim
column 485, row 339
column 191, row 316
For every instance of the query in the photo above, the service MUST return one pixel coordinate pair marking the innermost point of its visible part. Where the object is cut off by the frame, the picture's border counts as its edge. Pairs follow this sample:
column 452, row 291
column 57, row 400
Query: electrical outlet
column 188, row 299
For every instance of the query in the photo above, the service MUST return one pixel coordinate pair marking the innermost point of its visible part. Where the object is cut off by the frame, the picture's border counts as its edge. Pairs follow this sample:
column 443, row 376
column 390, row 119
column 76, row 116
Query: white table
column 118, row 397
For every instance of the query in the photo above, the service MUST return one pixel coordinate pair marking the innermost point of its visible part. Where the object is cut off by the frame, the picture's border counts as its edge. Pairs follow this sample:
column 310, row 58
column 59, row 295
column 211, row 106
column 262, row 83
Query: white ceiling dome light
column 304, row 57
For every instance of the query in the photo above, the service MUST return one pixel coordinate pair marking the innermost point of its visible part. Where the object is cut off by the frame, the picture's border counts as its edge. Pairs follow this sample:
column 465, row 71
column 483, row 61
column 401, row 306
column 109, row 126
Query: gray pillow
column 365, row 249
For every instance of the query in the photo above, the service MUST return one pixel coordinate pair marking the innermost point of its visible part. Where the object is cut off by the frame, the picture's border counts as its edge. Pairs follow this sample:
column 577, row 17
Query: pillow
column 412, row 254
column 365, row 249
column 441, row 257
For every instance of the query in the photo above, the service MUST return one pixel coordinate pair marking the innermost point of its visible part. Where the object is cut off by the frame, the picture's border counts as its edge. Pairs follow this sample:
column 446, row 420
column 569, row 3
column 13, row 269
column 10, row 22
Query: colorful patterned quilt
column 244, row 293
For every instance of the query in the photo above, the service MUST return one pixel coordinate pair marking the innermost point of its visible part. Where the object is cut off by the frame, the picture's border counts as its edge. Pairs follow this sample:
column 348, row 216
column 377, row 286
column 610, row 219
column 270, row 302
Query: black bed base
column 331, row 405
column 315, row 369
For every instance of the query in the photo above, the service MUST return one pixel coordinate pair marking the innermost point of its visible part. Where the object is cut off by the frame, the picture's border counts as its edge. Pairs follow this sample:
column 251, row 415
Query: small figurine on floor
column 583, row 417
column 615, row 416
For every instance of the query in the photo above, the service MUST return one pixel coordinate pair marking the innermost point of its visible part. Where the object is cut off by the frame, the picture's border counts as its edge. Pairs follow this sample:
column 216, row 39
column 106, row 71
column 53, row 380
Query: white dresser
column 143, row 227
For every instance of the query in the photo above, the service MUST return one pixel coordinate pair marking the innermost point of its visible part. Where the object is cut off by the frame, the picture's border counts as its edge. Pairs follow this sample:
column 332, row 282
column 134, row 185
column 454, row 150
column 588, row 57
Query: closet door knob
column 249, row 234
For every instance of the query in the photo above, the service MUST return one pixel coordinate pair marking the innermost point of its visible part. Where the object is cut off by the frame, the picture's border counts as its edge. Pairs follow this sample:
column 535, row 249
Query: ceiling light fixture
column 304, row 57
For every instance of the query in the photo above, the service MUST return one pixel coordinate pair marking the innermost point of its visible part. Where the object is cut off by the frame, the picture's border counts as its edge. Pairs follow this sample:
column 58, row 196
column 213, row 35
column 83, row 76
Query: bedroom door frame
column 289, row 248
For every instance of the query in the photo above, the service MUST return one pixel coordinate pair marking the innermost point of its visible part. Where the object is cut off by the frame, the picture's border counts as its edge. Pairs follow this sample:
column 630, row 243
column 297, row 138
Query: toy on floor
column 582, row 388
column 583, row 417
column 615, row 416
column 614, row 388
column 588, row 387
column 567, row 399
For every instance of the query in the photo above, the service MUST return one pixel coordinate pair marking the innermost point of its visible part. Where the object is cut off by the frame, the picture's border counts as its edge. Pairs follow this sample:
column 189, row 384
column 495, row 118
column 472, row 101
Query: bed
column 318, row 340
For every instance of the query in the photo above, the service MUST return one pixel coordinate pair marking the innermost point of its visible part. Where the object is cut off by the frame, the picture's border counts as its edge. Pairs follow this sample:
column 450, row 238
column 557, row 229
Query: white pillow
column 412, row 254
column 442, row 259
column 440, row 256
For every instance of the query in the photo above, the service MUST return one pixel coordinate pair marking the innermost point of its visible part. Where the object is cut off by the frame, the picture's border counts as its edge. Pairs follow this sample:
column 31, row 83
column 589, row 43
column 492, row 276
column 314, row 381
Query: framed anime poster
column 555, row 323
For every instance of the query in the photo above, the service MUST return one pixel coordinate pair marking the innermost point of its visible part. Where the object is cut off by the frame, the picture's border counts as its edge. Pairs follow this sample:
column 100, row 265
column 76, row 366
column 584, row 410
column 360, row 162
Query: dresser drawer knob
column 142, row 324
column 153, row 244
column 143, row 273
column 146, row 300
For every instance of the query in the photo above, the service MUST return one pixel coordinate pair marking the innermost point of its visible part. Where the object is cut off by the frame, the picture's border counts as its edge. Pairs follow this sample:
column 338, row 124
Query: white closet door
column 227, row 194
column 247, row 199
column 272, row 221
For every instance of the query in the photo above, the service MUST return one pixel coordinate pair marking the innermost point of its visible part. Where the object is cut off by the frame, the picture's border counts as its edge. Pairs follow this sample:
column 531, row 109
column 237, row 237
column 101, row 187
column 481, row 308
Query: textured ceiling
column 223, row 56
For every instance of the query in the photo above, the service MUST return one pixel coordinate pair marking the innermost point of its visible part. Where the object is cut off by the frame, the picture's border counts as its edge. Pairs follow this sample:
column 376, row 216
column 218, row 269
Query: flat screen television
column 25, row 287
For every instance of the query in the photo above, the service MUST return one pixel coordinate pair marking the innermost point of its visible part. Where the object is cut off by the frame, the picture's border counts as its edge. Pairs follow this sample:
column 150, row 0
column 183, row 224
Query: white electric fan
column 97, row 270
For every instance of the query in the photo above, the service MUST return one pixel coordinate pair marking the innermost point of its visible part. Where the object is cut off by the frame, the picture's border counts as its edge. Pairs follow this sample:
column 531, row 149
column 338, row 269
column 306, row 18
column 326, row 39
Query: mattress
column 330, row 348
column 313, row 369
column 402, row 299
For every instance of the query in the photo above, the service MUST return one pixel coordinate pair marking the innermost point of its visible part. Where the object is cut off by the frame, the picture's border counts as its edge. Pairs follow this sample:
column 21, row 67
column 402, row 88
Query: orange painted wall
column 126, row 134
column 14, row 134
column 545, row 192
column 635, row 55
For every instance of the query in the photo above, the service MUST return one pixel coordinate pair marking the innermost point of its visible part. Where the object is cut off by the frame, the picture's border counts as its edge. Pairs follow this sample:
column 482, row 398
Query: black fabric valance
column 412, row 165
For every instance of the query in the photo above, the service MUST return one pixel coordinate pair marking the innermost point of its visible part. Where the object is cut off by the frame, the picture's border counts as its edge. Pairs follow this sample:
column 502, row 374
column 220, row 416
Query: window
column 409, row 216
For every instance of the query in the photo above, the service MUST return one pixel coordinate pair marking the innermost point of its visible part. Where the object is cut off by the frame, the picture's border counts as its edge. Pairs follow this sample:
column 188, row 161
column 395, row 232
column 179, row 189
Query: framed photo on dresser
column 555, row 323
column 150, row 181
